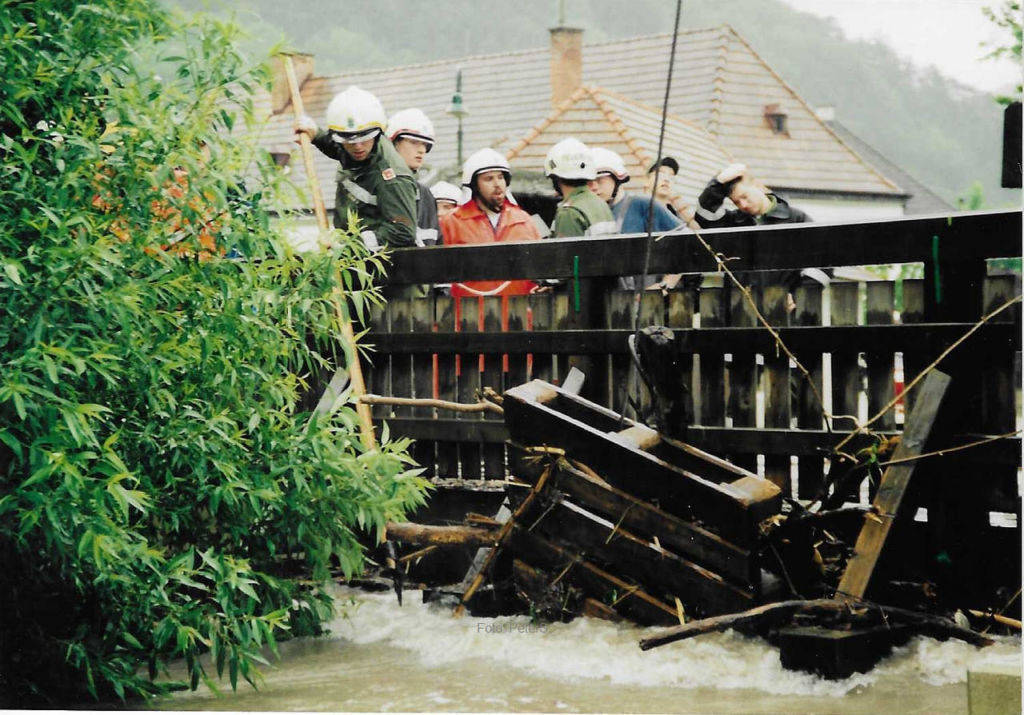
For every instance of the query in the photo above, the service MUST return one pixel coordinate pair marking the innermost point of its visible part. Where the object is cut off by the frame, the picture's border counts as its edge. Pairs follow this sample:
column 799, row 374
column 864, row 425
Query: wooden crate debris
column 608, row 518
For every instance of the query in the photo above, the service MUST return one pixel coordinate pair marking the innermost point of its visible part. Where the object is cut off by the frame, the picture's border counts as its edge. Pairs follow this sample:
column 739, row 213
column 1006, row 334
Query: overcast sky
column 943, row 33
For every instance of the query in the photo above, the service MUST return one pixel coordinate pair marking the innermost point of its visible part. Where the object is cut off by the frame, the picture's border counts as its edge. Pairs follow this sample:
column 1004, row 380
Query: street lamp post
column 458, row 110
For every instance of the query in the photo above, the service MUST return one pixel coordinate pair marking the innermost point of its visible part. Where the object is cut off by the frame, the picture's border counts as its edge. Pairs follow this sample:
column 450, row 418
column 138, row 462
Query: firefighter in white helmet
column 373, row 180
column 446, row 196
column 570, row 164
column 412, row 134
column 488, row 217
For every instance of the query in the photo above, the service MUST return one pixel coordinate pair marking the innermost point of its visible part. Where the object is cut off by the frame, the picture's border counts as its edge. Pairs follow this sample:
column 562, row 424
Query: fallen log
column 424, row 535
column 775, row 614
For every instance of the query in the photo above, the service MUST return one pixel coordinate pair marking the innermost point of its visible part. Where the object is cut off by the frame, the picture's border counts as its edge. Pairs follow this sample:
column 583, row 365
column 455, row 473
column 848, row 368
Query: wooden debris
column 828, row 610
column 894, row 485
column 682, row 480
column 424, row 535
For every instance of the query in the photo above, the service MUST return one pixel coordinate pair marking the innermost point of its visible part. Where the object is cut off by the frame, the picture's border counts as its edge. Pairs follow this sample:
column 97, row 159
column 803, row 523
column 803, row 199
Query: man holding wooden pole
column 373, row 180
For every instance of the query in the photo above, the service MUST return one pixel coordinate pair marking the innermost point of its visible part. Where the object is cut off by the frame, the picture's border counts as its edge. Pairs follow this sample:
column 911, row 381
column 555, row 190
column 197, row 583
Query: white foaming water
column 381, row 657
column 591, row 649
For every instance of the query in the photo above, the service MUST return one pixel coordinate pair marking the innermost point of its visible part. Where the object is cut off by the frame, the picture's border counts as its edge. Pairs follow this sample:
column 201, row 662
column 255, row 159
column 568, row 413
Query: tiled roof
column 921, row 199
column 719, row 83
column 607, row 119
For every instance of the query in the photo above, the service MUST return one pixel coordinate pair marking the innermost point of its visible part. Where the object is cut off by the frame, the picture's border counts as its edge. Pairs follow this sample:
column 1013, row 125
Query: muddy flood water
column 384, row 658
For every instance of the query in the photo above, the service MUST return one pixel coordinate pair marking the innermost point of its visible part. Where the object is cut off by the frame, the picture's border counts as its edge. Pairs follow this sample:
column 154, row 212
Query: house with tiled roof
column 599, row 117
column 725, row 103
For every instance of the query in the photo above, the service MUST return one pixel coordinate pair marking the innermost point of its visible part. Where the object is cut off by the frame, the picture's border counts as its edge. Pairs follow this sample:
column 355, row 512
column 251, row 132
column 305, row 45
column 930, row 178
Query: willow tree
column 160, row 493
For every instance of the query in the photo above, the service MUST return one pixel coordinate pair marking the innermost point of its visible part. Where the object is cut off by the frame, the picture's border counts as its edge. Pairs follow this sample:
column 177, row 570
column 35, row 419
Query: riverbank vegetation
column 161, row 496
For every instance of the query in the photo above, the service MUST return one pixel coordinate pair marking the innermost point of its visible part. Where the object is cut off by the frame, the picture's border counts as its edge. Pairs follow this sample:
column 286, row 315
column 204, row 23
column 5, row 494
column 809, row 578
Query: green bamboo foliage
column 161, row 496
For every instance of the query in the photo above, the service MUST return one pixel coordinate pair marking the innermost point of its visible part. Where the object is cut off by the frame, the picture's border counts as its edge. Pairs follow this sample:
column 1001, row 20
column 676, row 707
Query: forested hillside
column 943, row 133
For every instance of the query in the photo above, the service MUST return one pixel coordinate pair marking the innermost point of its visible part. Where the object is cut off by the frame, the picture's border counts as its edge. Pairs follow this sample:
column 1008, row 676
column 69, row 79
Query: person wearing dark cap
column 660, row 179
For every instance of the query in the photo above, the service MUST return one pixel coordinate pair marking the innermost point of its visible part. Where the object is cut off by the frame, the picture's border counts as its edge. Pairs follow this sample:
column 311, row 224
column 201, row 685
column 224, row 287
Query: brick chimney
column 566, row 62
column 280, row 96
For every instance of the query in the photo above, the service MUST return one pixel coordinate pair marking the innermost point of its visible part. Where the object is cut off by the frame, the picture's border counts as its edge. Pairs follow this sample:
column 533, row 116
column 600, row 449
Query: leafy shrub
column 160, row 494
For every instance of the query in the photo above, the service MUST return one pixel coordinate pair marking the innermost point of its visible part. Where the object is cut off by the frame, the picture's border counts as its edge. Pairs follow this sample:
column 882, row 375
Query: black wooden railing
column 748, row 404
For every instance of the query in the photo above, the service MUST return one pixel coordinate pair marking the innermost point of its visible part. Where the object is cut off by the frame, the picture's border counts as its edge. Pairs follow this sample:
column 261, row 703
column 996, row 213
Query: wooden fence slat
column 680, row 310
column 491, row 376
column 808, row 407
column 651, row 312
column 542, row 316
column 711, row 300
column 422, row 321
column 880, row 363
column 998, row 414
column 519, row 318
column 447, row 451
column 776, row 386
column 467, row 383
column 912, row 312
column 845, row 370
column 381, row 369
column 742, row 378
column 620, row 306
column 846, row 376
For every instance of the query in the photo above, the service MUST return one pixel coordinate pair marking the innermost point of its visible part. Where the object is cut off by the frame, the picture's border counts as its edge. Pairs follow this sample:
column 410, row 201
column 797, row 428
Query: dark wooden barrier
column 750, row 405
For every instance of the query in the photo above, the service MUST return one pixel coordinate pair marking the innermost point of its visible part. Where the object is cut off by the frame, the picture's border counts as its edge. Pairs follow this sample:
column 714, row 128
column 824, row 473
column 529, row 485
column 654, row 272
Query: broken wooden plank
column 688, row 540
column 660, row 572
column 895, row 480
column 733, row 509
column 427, row 535
column 502, row 535
column 629, row 600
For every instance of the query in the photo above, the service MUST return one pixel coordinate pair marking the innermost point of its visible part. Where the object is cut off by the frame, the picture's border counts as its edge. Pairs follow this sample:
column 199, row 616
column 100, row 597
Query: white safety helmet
column 570, row 159
column 443, row 191
column 485, row 160
column 355, row 115
column 412, row 123
column 608, row 162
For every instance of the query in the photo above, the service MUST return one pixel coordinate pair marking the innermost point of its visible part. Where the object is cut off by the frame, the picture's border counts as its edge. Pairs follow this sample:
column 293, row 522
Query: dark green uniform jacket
column 582, row 213
column 381, row 190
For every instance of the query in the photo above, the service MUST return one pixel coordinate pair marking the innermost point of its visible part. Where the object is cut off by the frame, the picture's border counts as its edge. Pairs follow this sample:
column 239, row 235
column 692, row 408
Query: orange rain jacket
column 469, row 224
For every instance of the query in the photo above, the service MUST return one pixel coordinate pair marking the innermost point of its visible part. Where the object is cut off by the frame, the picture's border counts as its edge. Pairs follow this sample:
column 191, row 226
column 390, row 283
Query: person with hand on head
column 412, row 135
column 570, row 166
column 756, row 204
column 489, row 216
column 446, row 197
column 373, row 180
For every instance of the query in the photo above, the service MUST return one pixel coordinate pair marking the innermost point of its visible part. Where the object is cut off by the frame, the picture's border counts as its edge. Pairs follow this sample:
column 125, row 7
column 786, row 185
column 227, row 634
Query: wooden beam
column 926, row 338
column 716, row 440
column 857, row 576
column 425, row 535
column 964, row 236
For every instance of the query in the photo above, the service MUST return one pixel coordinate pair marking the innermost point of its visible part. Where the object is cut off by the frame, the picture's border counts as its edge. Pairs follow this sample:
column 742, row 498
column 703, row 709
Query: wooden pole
column 341, row 309
column 424, row 534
